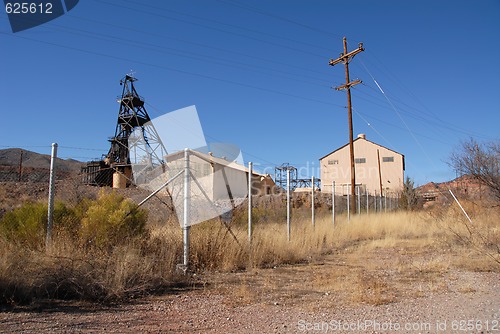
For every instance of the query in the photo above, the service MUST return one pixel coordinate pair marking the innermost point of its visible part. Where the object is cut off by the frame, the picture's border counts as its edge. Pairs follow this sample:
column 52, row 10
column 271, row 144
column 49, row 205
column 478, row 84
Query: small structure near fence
column 97, row 173
column 218, row 173
column 201, row 187
column 296, row 183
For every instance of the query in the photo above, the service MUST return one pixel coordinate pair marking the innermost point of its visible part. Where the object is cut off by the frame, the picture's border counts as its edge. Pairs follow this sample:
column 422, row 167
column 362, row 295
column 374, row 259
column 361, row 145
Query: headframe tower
column 126, row 148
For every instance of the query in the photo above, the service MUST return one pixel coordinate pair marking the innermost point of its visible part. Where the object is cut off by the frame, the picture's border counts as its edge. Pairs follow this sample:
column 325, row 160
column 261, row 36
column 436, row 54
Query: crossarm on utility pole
column 345, row 58
column 348, row 85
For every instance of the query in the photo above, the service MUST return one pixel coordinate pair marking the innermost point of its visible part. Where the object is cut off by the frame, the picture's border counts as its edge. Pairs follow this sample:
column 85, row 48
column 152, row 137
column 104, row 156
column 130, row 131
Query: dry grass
column 66, row 272
column 370, row 259
column 375, row 259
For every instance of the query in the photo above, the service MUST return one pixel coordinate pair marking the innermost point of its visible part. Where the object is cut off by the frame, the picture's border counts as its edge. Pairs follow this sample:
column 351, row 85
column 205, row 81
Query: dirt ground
column 386, row 290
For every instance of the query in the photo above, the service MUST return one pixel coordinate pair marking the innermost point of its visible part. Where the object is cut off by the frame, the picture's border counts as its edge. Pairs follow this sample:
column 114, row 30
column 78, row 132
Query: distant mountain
column 12, row 157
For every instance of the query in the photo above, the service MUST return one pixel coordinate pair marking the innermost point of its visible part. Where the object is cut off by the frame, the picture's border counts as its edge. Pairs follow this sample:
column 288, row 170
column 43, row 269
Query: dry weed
column 410, row 247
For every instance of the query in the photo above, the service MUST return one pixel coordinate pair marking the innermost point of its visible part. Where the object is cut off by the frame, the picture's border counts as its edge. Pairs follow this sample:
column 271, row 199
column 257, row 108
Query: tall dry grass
column 100, row 251
column 67, row 271
column 214, row 248
column 140, row 266
column 374, row 259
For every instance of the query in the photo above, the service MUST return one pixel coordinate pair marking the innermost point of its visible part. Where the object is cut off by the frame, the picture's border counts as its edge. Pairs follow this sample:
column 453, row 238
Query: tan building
column 218, row 173
column 368, row 156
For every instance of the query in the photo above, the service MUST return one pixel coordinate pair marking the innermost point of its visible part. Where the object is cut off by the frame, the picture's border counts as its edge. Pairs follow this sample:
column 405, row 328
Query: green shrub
column 100, row 251
column 111, row 220
column 28, row 224
column 104, row 222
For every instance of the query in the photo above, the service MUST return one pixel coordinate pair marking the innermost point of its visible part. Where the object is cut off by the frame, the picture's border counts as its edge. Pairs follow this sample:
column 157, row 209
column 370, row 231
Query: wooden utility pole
column 346, row 58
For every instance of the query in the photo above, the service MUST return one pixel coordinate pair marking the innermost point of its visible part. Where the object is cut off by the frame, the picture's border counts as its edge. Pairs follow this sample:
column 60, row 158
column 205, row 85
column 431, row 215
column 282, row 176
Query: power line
column 82, row 148
column 277, row 17
column 232, row 26
column 365, row 118
column 388, row 142
column 432, row 116
column 404, row 122
column 135, row 10
column 425, row 117
column 176, row 70
column 216, row 140
column 212, row 47
column 187, row 54
column 413, row 115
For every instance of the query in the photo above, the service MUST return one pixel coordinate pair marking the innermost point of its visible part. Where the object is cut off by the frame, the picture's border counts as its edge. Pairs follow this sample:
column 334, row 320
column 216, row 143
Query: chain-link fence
column 24, row 177
column 99, row 244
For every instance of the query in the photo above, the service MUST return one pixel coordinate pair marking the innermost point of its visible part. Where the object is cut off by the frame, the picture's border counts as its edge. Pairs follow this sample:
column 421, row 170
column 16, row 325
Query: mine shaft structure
column 136, row 141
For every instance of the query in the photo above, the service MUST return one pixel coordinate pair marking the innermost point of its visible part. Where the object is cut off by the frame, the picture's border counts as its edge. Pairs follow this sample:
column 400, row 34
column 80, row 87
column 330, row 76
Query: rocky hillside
column 464, row 186
column 12, row 157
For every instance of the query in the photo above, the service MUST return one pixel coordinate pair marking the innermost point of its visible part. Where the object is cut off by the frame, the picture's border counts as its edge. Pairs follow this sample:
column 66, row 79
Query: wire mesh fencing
column 24, row 178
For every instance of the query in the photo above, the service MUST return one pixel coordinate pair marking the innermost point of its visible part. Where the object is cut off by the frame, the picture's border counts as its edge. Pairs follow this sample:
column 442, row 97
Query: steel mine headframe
column 136, row 142
column 132, row 115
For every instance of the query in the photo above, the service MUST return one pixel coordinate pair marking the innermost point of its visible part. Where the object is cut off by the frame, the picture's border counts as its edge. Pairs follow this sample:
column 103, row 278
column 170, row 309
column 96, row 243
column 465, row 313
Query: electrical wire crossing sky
column 258, row 73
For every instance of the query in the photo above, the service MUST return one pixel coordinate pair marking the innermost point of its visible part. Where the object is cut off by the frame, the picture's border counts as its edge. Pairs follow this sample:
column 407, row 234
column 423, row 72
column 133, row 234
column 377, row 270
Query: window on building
column 360, row 160
column 387, row 159
column 333, row 162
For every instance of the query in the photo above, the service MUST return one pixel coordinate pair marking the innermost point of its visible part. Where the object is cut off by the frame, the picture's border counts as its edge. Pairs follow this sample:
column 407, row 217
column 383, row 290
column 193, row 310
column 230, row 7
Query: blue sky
column 258, row 74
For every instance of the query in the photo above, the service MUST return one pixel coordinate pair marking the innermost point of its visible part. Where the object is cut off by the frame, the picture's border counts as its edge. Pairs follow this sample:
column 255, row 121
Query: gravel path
column 456, row 310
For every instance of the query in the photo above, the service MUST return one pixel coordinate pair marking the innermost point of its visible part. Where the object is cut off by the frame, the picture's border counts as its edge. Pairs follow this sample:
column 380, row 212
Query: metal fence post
column 380, row 203
column 348, row 206
column 288, row 203
column 367, row 200
column 312, row 203
column 185, row 225
column 250, row 202
column 385, row 201
column 333, row 202
column 358, row 197
column 50, row 213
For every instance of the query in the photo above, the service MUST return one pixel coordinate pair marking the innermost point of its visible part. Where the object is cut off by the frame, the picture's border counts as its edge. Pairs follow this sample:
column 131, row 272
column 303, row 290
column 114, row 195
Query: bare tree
column 481, row 161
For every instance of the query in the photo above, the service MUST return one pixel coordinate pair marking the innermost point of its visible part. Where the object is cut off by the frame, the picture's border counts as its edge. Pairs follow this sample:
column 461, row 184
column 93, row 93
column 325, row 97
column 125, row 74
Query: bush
column 98, row 253
column 111, row 220
column 409, row 199
column 107, row 221
column 27, row 224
